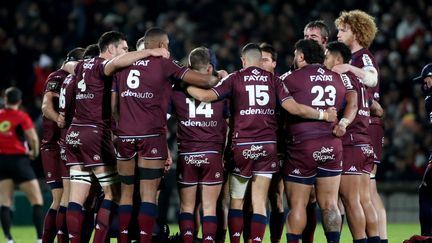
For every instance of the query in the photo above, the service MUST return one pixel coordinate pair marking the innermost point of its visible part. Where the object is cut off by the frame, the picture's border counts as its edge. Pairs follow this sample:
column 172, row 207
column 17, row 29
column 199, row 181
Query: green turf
column 397, row 233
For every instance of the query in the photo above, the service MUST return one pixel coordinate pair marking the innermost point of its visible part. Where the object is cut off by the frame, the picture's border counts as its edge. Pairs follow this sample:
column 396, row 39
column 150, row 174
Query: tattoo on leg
column 331, row 220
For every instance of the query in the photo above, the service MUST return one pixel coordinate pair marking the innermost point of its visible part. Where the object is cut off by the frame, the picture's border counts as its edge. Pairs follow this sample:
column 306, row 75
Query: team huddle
column 313, row 134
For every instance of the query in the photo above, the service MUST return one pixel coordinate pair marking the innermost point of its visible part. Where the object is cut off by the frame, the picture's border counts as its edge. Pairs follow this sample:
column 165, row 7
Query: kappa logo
column 71, row 236
column 188, row 232
column 97, row 227
column 60, row 232
column 142, row 232
column 352, row 169
column 258, row 239
column 296, row 171
column 124, row 232
column 256, row 72
column 236, row 234
column 209, row 238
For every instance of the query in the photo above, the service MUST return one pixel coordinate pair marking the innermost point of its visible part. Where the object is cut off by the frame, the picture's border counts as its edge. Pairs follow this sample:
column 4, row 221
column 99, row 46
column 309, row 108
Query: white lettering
column 141, row 63
column 323, row 155
column 315, row 78
column 86, row 96
column 255, row 152
column 129, row 93
column 196, row 159
column 190, row 123
column 260, row 78
column 251, row 111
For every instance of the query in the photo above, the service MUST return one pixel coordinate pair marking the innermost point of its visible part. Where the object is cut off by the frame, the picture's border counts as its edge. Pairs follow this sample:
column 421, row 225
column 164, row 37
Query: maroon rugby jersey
column 51, row 132
column 253, row 94
column 363, row 59
column 92, row 94
column 67, row 102
column 144, row 91
column 357, row 131
column 201, row 126
column 316, row 86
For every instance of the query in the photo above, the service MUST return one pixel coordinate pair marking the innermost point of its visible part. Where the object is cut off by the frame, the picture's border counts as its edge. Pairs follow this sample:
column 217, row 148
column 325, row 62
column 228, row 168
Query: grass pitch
column 396, row 232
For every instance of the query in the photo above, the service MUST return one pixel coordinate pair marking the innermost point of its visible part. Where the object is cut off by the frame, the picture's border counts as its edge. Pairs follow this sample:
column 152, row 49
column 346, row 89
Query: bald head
column 251, row 55
column 156, row 38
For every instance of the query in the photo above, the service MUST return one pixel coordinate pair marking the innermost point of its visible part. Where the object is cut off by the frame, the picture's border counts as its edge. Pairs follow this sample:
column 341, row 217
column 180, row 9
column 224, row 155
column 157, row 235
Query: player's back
column 316, row 86
column 364, row 59
column 67, row 102
column 12, row 124
column 51, row 132
column 253, row 96
column 93, row 96
column 200, row 125
column 357, row 131
column 144, row 90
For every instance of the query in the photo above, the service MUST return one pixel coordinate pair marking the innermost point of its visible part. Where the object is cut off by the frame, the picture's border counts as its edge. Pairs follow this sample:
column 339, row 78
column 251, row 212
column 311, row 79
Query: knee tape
column 238, row 186
column 127, row 179
column 266, row 175
column 80, row 176
column 108, row 178
column 150, row 174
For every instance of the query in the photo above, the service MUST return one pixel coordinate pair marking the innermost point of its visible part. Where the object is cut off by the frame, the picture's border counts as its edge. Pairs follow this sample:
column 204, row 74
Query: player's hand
column 222, row 74
column 331, row 114
column 168, row 163
column 159, row 52
column 32, row 154
column 339, row 130
column 61, row 121
column 341, row 68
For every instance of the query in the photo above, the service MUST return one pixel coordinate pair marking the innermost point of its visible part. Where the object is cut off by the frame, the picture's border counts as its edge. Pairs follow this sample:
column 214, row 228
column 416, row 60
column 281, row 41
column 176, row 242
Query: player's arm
column 308, row 112
column 33, row 140
column 200, row 80
column 114, row 106
column 369, row 75
column 204, row 95
column 70, row 67
column 349, row 114
column 128, row 58
column 376, row 110
column 48, row 106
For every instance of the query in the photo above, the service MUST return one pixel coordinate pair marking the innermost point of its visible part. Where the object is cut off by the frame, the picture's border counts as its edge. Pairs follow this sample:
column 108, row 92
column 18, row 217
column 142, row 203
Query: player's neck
column 356, row 47
column 12, row 107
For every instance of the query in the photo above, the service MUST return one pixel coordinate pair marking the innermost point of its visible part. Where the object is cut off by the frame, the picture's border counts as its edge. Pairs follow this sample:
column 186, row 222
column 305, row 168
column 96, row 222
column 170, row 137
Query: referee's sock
column 6, row 218
column 38, row 220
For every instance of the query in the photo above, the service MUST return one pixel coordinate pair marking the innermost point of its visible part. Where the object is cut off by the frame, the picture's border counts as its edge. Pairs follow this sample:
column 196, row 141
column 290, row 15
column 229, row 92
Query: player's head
column 356, row 26
column 269, row 57
column 13, row 96
column 91, row 51
column 113, row 43
column 140, row 44
column 306, row 52
column 336, row 53
column 156, row 38
column 203, row 60
column 251, row 55
column 75, row 54
column 317, row 30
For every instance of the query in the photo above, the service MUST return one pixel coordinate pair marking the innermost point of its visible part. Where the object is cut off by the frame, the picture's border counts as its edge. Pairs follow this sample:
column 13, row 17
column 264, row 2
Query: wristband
column 321, row 115
column 344, row 122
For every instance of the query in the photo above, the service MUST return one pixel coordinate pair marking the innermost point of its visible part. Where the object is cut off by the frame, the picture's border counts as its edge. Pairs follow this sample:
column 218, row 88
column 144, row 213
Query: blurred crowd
column 35, row 36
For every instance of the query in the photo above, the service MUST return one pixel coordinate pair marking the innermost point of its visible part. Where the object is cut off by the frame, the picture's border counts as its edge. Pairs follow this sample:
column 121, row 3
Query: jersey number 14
column 204, row 108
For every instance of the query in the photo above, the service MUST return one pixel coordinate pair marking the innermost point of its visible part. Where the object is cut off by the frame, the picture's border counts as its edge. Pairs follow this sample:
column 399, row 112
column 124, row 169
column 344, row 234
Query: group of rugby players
column 325, row 146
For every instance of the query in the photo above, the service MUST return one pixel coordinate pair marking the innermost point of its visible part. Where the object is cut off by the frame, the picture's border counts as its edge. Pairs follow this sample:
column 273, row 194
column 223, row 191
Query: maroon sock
column 88, row 225
column 125, row 214
column 258, row 226
column 308, row 232
column 247, row 217
column 62, row 232
column 74, row 220
column 276, row 225
column 147, row 217
column 50, row 229
column 235, row 224
column 187, row 226
column 103, row 220
column 209, row 229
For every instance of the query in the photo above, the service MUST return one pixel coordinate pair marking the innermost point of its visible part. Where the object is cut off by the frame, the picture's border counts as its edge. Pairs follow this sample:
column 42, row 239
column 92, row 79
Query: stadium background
column 35, row 35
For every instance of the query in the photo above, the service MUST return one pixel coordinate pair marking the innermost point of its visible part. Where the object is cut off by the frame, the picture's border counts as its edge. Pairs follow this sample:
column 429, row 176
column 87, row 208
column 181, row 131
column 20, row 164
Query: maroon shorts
column 357, row 159
column 54, row 168
column 200, row 168
column 376, row 133
column 89, row 146
column 149, row 148
column 255, row 157
column 313, row 158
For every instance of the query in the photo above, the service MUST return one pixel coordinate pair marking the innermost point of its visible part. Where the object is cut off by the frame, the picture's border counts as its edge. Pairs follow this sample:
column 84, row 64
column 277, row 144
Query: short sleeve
column 224, row 87
column 174, row 68
column 281, row 90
